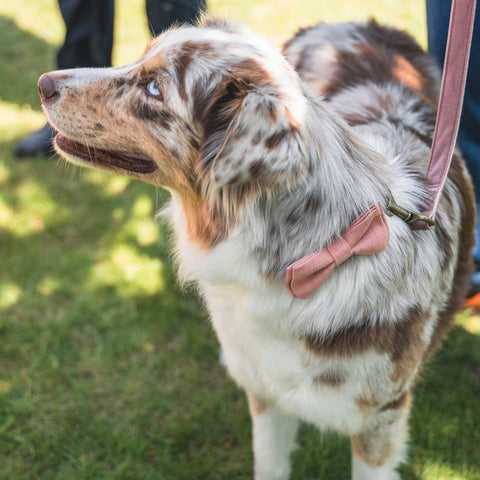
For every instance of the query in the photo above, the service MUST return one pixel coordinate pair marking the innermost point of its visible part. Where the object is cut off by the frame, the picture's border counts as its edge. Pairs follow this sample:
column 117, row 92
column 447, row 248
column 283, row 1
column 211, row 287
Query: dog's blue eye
column 153, row 90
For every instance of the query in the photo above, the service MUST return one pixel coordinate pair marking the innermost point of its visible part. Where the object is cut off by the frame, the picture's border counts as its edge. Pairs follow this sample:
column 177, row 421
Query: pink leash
column 450, row 104
column 369, row 233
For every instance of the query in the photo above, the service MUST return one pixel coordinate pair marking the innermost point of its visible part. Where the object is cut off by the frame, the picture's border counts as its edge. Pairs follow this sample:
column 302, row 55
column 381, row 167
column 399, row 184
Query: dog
column 273, row 159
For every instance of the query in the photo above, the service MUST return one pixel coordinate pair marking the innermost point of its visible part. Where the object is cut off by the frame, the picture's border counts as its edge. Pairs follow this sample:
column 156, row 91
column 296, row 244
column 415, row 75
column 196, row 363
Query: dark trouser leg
column 89, row 33
column 163, row 13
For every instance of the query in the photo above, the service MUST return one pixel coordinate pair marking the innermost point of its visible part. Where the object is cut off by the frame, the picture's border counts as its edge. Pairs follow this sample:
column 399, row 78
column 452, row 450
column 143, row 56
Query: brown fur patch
column 348, row 342
column 329, row 379
column 408, row 345
column 403, row 401
column 402, row 340
column 398, row 42
column 257, row 138
column 364, row 63
column 182, row 64
column 165, row 119
column 256, row 406
column 364, row 405
column 312, row 204
column 257, row 169
column 188, row 51
column 271, row 112
column 407, row 74
column 381, row 54
column 205, row 227
column 251, row 73
column 151, row 67
column 363, row 450
column 144, row 110
column 215, row 109
column 276, row 138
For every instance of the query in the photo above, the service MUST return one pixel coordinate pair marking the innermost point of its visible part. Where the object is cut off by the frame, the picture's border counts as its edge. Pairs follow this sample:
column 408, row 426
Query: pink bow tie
column 367, row 235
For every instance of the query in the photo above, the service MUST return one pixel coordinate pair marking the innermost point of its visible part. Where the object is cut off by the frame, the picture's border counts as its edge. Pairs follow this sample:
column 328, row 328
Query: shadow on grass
column 98, row 378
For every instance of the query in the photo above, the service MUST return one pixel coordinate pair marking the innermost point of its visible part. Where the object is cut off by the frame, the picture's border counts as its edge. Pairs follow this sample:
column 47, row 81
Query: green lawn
column 107, row 370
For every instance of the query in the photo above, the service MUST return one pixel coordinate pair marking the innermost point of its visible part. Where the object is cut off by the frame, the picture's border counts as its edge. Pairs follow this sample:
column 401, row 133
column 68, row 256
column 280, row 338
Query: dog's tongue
column 133, row 162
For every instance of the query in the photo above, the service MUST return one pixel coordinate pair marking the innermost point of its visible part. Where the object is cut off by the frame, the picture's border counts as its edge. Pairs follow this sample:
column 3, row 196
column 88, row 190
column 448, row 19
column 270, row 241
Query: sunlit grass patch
column 28, row 207
column 283, row 20
column 129, row 271
column 17, row 120
column 48, row 285
column 4, row 174
column 10, row 294
column 40, row 18
column 471, row 323
column 116, row 185
column 441, row 471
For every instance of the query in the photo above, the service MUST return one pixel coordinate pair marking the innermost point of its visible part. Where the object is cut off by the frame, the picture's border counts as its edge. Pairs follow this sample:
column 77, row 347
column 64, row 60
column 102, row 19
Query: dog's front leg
column 379, row 449
column 274, row 436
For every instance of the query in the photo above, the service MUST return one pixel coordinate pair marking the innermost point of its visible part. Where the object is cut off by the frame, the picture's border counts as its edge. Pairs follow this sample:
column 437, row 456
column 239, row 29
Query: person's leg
column 162, row 14
column 89, row 33
column 438, row 17
column 88, row 43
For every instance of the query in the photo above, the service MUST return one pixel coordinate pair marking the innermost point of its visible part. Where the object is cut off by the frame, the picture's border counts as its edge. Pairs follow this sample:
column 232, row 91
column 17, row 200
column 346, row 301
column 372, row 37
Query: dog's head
column 204, row 108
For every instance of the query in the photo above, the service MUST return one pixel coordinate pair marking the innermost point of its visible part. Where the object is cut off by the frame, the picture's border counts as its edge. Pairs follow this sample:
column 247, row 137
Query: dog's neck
column 346, row 178
column 282, row 224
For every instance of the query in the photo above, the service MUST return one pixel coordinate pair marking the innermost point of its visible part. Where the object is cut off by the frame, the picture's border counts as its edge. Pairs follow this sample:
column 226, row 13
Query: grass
column 107, row 371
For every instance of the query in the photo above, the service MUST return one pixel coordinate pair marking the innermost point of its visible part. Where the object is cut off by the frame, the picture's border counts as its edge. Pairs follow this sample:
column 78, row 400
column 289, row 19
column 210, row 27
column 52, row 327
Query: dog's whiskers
column 88, row 147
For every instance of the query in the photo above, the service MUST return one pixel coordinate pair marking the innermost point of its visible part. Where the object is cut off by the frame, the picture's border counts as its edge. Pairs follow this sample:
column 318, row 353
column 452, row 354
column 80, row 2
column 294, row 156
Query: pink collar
column 367, row 235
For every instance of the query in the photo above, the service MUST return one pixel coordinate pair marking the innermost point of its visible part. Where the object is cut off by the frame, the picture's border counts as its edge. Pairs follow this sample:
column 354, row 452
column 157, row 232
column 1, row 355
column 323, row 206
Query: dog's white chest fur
column 257, row 323
column 278, row 369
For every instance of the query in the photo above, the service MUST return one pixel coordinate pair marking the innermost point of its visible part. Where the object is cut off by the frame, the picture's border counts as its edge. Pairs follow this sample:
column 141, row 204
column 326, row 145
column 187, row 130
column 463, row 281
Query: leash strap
column 450, row 105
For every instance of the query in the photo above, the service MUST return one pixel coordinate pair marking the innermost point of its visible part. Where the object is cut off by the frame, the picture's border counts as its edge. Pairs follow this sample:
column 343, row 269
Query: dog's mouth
column 130, row 161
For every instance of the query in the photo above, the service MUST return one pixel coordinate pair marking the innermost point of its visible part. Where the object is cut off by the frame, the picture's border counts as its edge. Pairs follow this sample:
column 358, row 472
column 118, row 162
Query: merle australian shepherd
column 270, row 157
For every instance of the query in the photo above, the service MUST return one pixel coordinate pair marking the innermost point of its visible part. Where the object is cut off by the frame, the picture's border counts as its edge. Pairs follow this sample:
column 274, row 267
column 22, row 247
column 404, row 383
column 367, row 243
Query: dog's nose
column 47, row 87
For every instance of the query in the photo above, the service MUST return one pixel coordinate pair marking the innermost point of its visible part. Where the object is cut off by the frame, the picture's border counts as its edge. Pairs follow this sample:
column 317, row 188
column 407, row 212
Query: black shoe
column 38, row 142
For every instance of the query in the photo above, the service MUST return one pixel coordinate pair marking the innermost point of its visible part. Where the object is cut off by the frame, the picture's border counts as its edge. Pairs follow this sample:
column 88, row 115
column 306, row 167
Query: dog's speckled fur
column 264, row 169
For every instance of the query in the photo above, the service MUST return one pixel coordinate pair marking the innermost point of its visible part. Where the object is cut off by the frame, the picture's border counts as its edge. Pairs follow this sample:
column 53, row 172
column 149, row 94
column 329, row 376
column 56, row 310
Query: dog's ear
column 252, row 136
